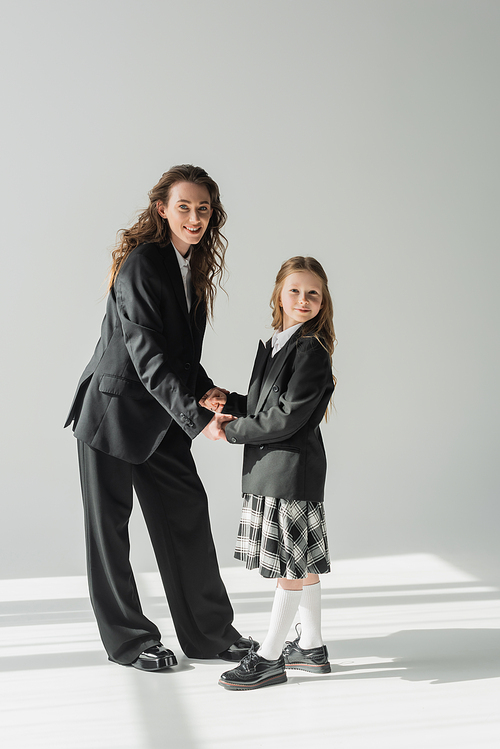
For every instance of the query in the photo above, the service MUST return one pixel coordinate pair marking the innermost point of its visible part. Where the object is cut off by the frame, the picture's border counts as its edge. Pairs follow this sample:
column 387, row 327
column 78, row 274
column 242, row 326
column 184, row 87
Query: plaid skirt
column 282, row 538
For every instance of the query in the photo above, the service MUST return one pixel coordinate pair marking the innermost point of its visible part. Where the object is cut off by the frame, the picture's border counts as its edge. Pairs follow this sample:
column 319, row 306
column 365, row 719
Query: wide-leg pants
column 175, row 508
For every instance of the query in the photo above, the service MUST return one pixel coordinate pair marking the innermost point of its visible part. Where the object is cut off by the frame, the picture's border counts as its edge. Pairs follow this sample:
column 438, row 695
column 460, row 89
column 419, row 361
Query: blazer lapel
column 259, row 366
column 197, row 318
column 276, row 367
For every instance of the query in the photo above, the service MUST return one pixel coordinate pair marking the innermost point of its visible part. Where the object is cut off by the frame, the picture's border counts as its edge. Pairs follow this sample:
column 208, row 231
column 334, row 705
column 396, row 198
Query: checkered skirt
column 283, row 538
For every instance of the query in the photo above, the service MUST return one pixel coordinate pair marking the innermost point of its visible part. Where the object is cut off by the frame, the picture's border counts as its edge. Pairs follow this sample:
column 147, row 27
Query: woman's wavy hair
column 207, row 257
column 321, row 326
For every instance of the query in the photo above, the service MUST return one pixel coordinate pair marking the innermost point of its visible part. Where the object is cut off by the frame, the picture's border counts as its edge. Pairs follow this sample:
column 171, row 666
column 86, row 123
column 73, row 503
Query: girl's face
column 188, row 212
column 301, row 297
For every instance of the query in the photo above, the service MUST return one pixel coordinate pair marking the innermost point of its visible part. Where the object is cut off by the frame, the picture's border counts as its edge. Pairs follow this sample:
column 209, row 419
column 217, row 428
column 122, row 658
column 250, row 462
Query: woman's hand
column 214, row 399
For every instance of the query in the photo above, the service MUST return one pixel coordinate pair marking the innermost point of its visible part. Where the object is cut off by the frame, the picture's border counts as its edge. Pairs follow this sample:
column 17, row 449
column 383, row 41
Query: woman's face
column 188, row 212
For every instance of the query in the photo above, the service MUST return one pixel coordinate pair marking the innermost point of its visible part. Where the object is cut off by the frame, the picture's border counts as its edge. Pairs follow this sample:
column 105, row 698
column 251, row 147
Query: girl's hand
column 214, row 430
column 222, row 421
column 214, row 399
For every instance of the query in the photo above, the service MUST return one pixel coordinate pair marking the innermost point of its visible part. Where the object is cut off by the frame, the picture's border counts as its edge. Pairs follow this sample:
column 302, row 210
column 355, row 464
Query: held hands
column 214, row 399
column 215, row 429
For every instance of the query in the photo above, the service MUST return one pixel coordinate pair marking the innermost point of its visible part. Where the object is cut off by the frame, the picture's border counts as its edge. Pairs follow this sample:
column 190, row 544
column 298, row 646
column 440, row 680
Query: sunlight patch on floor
column 414, row 644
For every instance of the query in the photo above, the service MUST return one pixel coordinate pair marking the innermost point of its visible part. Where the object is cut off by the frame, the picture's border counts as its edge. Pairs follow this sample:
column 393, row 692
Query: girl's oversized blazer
column 279, row 421
column 145, row 371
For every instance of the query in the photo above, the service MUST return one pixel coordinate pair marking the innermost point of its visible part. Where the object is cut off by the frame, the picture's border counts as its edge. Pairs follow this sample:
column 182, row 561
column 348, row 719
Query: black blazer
column 279, row 421
column 145, row 371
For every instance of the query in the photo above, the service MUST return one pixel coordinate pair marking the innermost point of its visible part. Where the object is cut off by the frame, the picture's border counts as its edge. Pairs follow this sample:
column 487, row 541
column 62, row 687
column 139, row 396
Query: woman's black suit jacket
column 145, row 371
column 279, row 421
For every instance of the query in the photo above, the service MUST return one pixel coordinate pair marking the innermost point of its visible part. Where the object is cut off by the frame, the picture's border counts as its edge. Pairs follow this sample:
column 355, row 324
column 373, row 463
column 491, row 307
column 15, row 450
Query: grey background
column 362, row 132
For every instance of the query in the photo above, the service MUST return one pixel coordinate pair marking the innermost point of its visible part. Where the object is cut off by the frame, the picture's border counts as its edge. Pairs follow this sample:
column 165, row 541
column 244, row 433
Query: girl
column 135, row 413
column 282, row 529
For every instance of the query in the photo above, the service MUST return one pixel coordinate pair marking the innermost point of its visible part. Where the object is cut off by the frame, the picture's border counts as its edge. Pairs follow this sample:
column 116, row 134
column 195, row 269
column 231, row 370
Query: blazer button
column 275, row 388
column 187, row 365
column 233, row 439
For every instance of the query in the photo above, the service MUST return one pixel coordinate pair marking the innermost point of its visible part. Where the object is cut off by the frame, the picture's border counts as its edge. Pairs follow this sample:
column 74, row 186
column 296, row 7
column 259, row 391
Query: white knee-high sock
column 310, row 617
column 282, row 614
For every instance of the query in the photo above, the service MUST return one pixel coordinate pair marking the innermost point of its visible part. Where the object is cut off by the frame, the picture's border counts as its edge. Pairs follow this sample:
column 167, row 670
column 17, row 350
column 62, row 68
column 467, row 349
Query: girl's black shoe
column 314, row 660
column 254, row 672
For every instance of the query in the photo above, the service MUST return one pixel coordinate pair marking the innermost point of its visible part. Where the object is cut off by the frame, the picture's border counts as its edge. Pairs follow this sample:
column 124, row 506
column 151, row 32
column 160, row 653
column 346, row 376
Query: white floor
column 414, row 645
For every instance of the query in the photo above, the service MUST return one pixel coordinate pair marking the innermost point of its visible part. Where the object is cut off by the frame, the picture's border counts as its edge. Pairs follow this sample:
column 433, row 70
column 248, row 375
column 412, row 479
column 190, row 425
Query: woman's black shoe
column 155, row 658
column 238, row 649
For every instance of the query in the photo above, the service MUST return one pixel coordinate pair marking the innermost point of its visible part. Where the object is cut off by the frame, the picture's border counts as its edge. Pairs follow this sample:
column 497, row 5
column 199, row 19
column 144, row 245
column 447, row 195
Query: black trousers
column 175, row 508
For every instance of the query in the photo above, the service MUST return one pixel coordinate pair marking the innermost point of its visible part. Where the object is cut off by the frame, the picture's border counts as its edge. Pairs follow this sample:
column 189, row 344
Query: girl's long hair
column 321, row 326
column 207, row 257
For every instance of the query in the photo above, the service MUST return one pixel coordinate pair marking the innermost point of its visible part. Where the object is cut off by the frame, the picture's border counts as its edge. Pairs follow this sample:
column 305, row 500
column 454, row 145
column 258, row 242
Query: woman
column 135, row 413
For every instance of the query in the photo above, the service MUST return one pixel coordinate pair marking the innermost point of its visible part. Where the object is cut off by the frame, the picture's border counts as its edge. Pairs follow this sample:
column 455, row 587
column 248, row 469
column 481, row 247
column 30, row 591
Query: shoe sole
column 158, row 665
column 235, row 687
column 322, row 668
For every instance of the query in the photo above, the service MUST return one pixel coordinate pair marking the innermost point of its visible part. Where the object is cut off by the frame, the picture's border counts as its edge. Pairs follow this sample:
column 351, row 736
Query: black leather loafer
column 254, row 672
column 238, row 649
column 155, row 658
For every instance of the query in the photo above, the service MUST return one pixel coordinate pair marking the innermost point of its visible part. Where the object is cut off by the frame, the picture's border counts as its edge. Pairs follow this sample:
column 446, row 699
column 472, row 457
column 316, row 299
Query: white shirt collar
column 281, row 337
column 185, row 267
column 183, row 260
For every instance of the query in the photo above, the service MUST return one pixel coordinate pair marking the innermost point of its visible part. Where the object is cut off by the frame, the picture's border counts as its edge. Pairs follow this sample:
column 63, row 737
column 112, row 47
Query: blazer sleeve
column 203, row 383
column 310, row 380
column 236, row 405
column 138, row 294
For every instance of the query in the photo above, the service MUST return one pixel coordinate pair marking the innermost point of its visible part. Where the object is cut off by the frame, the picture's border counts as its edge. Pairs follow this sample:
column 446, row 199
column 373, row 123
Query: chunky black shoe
column 238, row 649
column 155, row 658
column 254, row 672
column 314, row 660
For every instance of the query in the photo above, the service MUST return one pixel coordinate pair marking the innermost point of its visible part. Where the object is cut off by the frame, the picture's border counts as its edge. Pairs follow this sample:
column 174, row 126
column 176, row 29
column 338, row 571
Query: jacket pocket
column 115, row 385
column 282, row 446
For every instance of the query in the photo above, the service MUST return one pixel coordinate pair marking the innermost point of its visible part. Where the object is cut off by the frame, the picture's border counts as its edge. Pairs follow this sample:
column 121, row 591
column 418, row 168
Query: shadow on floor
column 439, row 656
